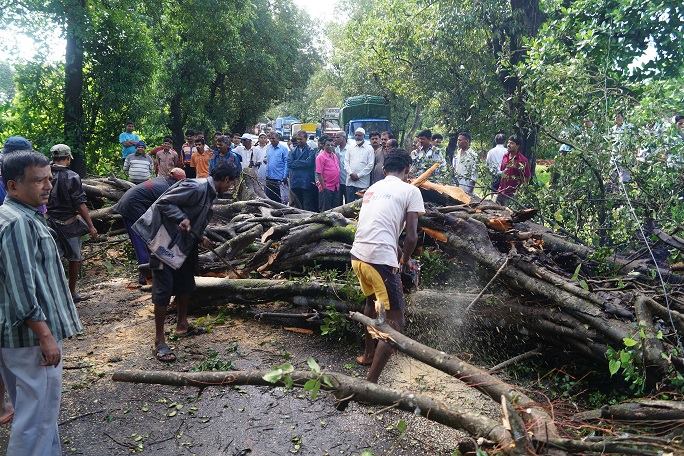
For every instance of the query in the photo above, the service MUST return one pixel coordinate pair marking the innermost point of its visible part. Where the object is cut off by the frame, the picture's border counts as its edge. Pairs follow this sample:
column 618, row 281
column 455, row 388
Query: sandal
column 192, row 331
column 164, row 354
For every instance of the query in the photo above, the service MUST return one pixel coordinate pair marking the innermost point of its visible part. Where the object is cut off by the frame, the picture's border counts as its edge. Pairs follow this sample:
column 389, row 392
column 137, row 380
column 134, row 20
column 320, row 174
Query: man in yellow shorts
column 388, row 206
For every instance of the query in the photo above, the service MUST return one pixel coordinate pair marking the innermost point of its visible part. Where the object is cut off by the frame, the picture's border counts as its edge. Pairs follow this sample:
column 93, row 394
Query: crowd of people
column 317, row 176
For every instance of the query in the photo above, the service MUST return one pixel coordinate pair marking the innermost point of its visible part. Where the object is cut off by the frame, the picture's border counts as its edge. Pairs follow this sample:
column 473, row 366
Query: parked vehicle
column 372, row 113
column 283, row 126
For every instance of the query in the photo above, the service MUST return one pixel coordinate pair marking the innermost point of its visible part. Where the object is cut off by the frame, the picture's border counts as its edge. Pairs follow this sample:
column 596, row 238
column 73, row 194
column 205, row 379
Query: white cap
column 360, row 130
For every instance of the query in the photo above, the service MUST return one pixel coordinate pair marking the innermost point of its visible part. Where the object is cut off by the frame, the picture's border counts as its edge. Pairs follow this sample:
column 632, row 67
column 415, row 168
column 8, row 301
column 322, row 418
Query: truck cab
column 370, row 112
column 368, row 125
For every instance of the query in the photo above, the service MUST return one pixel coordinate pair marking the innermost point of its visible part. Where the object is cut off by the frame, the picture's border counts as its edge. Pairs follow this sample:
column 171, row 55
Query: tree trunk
column 73, row 83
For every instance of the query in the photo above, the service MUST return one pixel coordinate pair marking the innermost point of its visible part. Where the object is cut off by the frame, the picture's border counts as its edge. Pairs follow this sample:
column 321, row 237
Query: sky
column 15, row 45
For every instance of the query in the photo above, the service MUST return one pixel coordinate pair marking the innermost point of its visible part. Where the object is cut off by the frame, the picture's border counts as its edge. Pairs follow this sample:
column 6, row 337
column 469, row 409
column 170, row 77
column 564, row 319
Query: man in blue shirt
column 276, row 163
column 128, row 140
column 301, row 164
column 224, row 154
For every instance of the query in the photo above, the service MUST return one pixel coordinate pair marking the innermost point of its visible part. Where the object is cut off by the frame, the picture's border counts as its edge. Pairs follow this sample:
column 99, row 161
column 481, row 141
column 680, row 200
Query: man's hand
column 184, row 225
column 93, row 232
column 354, row 176
column 50, row 350
column 206, row 243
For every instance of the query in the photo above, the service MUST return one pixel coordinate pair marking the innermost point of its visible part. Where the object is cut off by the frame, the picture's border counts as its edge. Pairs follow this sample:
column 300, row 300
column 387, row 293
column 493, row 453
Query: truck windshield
column 369, row 125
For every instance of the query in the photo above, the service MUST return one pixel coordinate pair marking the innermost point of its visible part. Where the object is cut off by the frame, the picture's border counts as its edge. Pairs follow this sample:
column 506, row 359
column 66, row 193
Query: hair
column 225, row 169
column 466, row 135
column 374, row 133
column 424, row 134
column 15, row 163
column 678, row 117
column 397, row 161
column 130, row 122
column 276, row 134
column 389, row 134
column 235, row 134
column 302, row 133
column 200, row 138
column 500, row 138
column 515, row 139
column 392, row 144
column 189, row 133
column 167, row 139
column 223, row 139
column 325, row 138
column 218, row 133
column 437, row 136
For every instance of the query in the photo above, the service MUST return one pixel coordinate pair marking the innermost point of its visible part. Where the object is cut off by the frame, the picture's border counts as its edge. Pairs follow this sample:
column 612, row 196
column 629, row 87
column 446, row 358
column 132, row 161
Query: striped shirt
column 32, row 281
column 139, row 167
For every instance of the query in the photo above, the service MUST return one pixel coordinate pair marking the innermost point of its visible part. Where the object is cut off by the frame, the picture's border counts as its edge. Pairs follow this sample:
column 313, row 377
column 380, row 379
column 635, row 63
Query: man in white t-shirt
column 388, row 206
column 494, row 159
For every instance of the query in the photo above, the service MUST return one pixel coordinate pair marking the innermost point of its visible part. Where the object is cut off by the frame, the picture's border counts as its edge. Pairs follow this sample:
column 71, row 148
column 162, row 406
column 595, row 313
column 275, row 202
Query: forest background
column 536, row 68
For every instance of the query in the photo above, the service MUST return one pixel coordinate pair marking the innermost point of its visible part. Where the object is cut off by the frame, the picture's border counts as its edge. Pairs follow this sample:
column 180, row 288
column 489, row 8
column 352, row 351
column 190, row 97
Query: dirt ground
column 101, row 417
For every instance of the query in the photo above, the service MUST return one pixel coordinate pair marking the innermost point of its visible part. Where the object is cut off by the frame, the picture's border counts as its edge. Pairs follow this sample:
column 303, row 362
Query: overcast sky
column 16, row 45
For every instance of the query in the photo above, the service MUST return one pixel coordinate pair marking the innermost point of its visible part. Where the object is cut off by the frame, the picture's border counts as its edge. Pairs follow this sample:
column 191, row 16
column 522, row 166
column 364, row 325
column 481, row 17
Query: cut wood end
column 439, row 236
column 423, row 177
column 452, row 191
column 299, row 330
column 500, row 224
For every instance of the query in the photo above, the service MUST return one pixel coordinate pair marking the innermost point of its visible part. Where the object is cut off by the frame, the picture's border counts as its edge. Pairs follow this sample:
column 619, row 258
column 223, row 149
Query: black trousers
column 305, row 198
column 341, row 194
column 327, row 199
column 273, row 190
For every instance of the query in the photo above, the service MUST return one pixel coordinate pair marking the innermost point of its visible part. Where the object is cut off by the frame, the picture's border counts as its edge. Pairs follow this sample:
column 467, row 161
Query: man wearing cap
column 358, row 162
column 36, row 307
column 139, row 165
column 128, row 140
column 133, row 205
column 67, row 212
column 251, row 157
column 12, row 144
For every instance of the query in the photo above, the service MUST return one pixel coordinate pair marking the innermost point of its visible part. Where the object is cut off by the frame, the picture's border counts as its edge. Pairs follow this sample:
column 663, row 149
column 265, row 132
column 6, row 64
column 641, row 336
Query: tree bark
column 75, row 18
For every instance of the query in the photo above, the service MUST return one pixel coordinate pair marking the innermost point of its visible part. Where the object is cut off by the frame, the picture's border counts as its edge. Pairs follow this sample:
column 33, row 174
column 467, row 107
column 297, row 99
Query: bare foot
column 362, row 360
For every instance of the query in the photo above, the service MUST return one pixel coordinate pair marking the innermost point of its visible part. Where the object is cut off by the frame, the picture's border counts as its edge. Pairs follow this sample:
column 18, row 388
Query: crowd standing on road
column 44, row 218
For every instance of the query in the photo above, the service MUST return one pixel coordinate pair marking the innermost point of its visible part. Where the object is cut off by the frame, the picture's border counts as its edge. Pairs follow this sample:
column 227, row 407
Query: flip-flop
column 362, row 361
column 7, row 419
column 192, row 331
column 164, row 354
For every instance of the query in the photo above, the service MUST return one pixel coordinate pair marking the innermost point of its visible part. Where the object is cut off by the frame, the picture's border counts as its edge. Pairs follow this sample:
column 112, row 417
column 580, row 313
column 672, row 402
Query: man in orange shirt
column 200, row 158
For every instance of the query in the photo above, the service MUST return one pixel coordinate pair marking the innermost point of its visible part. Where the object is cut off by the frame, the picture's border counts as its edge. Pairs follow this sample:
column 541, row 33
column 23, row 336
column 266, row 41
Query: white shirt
column 359, row 160
column 495, row 157
column 465, row 166
column 254, row 154
column 382, row 218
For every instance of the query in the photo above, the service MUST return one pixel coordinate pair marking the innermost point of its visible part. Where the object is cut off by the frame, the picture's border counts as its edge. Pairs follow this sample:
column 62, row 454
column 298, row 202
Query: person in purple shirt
column 327, row 174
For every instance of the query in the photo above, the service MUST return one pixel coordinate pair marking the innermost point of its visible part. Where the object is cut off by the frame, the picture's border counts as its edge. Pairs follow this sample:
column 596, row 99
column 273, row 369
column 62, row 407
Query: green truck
column 370, row 112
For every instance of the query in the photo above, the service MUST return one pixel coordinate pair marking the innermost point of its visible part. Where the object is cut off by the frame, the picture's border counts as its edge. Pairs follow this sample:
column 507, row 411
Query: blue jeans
column 139, row 245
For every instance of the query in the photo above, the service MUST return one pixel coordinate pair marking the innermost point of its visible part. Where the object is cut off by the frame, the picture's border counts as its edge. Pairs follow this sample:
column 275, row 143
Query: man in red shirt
column 515, row 171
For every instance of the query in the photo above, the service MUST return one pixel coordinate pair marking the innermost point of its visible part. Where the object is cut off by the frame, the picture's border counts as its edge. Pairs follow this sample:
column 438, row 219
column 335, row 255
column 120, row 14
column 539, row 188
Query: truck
column 370, row 112
column 330, row 121
column 283, row 126
column 309, row 128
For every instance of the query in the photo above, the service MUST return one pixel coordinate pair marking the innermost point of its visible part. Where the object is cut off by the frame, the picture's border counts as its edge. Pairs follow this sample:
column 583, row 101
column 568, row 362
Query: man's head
column 274, row 138
column 619, row 119
column 217, row 135
column 326, row 143
column 177, row 174
column 375, row 139
column 424, row 138
column 437, row 139
column 679, row 121
column 27, row 177
column 15, row 143
column 500, row 138
column 384, row 137
column 236, row 139
column 61, row 154
column 464, row 140
column 513, row 144
column 397, row 163
column 224, row 176
column 130, row 126
column 392, row 145
column 140, row 147
column 190, row 137
column 341, row 139
column 263, row 139
column 223, row 144
column 199, row 143
column 359, row 135
column 246, row 141
column 167, row 143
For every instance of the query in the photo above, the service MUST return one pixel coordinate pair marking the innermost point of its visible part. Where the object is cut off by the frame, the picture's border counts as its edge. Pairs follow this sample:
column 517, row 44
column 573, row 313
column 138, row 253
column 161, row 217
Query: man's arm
column 127, row 162
column 85, row 214
column 411, row 238
column 48, row 344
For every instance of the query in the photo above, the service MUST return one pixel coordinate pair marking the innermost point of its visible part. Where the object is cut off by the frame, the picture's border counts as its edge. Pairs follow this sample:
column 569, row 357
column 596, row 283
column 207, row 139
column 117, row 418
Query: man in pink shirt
column 327, row 175
column 515, row 171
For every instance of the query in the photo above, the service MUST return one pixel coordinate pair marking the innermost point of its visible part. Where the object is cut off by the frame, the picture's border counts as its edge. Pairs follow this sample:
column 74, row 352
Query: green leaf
column 629, row 342
column 313, row 365
column 575, row 275
column 613, row 366
column 659, row 335
column 287, row 368
column 310, row 384
column 327, row 381
column 367, row 453
column 625, row 357
column 274, row 376
column 642, row 333
column 287, row 380
column 401, row 426
column 583, row 283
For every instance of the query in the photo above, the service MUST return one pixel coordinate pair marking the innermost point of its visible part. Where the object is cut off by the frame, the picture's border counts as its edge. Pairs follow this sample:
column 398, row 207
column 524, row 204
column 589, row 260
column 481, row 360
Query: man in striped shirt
column 36, row 309
column 139, row 165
